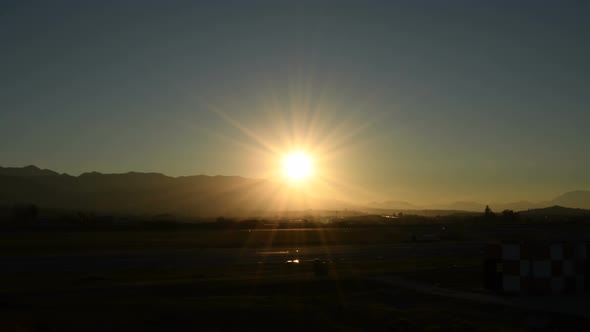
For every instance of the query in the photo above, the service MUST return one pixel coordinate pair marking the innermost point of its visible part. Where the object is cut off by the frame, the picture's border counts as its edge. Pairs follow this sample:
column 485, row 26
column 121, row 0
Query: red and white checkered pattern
column 541, row 268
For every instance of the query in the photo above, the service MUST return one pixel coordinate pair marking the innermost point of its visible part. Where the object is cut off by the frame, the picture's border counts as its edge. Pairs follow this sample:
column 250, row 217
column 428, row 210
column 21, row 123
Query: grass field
column 249, row 295
column 287, row 303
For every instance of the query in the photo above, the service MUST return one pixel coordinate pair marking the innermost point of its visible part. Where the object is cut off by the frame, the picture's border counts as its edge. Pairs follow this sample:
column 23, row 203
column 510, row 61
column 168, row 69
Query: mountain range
column 152, row 193
column 459, row 206
column 200, row 195
column 579, row 199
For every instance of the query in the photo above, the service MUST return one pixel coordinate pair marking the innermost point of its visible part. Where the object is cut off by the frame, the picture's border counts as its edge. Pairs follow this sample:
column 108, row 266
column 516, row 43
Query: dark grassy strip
column 35, row 242
column 326, row 304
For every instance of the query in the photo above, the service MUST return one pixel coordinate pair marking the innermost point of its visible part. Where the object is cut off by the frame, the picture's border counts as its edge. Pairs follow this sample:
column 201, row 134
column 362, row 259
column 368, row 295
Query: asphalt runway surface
column 101, row 262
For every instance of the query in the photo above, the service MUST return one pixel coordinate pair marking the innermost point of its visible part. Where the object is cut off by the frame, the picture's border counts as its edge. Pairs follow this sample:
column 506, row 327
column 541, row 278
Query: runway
column 102, row 262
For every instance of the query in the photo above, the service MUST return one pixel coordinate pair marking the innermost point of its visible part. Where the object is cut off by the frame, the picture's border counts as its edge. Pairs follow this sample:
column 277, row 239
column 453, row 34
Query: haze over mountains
column 206, row 196
column 573, row 199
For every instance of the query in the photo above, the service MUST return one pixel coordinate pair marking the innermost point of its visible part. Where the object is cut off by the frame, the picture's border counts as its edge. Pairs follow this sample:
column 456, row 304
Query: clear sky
column 423, row 101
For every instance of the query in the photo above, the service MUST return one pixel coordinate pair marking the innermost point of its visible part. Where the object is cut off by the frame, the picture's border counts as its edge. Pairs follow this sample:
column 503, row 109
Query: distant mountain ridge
column 557, row 211
column 579, row 199
column 201, row 195
column 152, row 193
column 573, row 199
column 30, row 170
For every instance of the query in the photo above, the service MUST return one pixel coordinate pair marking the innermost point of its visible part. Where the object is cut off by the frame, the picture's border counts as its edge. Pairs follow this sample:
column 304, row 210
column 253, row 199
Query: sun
column 297, row 166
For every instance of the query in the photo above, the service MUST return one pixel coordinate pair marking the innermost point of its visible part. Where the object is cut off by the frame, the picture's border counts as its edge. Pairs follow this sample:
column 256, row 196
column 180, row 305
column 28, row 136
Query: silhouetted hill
column 149, row 193
column 574, row 199
column 556, row 211
column 205, row 196
column 26, row 171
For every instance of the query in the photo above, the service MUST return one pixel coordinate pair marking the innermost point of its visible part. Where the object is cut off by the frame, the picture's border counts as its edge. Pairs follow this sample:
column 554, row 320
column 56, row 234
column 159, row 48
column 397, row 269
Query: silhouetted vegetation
column 30, row 216
column 25, row 213
column 488, row 214
column 510, row 215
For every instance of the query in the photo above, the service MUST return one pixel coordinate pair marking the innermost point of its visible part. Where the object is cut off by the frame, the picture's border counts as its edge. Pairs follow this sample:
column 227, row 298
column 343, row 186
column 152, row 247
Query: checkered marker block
column 513, row 274
column 555, row 268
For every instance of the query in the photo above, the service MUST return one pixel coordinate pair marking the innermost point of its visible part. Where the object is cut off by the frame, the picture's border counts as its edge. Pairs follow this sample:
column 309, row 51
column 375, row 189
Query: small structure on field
column 537, row 268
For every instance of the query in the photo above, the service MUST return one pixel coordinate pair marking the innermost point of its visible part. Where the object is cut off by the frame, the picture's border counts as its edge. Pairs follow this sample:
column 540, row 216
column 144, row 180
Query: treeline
column 31, row 217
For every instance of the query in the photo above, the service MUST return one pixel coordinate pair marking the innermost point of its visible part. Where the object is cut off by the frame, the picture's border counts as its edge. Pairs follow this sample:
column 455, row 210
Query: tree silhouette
column 25, row 213
column 488, row 212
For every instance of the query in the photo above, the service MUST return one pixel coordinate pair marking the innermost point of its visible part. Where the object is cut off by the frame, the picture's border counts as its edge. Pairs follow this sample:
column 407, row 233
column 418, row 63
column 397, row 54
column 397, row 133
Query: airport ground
column 179, row 280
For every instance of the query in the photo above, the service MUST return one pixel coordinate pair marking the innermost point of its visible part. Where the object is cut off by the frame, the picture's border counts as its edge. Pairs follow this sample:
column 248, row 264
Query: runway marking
column 283, row 252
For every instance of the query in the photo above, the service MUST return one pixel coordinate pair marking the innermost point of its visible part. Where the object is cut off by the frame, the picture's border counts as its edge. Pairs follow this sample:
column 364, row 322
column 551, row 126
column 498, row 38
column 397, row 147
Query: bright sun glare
column 297, row 166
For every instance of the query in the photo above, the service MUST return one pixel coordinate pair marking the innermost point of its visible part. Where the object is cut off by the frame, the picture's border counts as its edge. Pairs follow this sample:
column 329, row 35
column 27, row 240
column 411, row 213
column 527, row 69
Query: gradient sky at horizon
column 421, row 101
